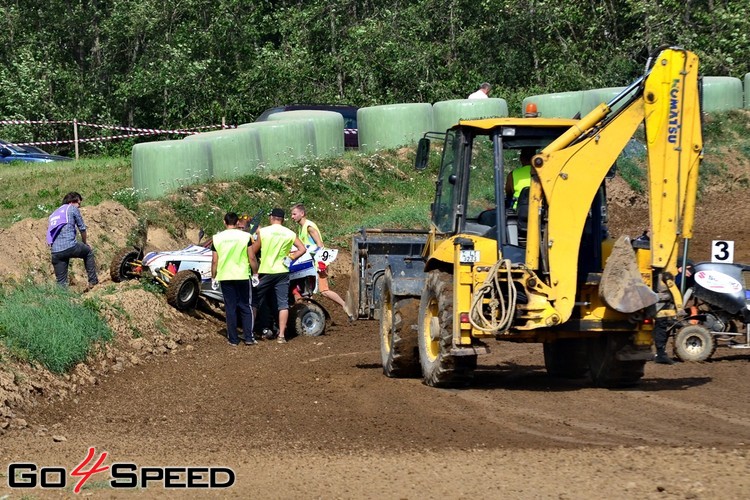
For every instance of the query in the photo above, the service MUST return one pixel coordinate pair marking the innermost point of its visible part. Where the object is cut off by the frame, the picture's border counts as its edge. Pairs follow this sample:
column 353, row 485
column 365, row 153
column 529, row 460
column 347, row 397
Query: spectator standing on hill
column 64, row 223
column 482, row 93
column 310, row 236
column 280, row 246
column 231, row 263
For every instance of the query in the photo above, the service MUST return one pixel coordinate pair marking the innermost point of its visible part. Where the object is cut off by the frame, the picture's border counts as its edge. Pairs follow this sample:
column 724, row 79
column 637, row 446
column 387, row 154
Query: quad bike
column 718, row 312
column 185, row 276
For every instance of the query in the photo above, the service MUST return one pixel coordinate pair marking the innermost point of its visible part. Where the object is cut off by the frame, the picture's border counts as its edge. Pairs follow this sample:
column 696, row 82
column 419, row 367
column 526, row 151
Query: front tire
column 694, row 343
column 309, row 319
column 399, row 351
column 439, row 367
column 605, row 369
column 123, row 265
column 183, row 291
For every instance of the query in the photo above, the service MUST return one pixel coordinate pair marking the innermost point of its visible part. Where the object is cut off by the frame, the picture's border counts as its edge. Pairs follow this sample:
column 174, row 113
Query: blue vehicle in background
column 10, row 152
column 351, row 132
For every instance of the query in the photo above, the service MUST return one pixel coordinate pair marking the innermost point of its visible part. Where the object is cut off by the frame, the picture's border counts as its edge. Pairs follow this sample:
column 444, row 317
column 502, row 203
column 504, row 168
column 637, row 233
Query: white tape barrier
column 139, row 132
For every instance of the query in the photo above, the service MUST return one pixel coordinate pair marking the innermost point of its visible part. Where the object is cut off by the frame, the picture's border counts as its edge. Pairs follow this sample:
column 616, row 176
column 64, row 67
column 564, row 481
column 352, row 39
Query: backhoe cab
column 549, row 271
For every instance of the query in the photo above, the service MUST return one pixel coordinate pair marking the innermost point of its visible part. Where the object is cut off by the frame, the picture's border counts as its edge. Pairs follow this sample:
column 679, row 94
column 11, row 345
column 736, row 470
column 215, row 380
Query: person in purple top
column 64, row 223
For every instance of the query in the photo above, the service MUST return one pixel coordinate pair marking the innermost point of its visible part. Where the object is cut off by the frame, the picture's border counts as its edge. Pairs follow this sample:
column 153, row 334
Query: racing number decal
column 722, row 251
column 326, row 255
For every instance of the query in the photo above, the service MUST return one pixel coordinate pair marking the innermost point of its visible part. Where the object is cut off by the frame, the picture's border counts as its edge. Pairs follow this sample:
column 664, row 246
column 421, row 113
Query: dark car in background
column 349, row 113
column 10, row 152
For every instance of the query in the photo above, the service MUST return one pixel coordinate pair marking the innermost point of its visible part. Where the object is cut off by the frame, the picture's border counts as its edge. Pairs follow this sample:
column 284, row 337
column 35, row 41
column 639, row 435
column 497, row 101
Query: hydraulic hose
column 502, row 305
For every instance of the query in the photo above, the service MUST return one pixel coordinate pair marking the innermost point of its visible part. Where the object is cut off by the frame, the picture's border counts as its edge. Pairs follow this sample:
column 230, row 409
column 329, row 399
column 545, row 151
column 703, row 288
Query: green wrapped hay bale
column 556, row 105
column 164, row 166
column 393, row 125
column 721, row 93
column 232, row 153
column 327, row 125
column 747, row 90
column 283, row 143
column 594, row 97
column 448, row 113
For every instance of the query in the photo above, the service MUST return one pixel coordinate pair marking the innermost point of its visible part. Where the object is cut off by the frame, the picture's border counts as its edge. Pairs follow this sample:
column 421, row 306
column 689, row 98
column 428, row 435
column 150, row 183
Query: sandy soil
column 315, row 418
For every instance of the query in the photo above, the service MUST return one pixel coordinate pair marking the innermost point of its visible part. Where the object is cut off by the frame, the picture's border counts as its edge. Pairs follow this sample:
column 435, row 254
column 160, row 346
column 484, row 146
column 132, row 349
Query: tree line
column 182, row 63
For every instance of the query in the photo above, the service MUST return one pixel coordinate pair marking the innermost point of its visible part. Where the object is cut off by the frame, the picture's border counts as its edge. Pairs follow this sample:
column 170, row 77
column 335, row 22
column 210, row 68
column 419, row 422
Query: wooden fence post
column 75, row 135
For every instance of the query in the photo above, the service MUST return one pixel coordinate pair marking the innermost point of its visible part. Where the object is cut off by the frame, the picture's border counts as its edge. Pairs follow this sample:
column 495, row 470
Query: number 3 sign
column 722, row 251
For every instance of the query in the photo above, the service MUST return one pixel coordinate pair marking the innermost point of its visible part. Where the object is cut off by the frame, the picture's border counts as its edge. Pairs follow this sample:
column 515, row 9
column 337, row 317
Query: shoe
column 268, row 334
column 251, row 342
column 663, row 359
column 232, row 344
column 281, row 340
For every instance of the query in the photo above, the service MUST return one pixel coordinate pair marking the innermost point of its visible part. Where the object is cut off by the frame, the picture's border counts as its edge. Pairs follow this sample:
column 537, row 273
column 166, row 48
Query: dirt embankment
column 316, row 417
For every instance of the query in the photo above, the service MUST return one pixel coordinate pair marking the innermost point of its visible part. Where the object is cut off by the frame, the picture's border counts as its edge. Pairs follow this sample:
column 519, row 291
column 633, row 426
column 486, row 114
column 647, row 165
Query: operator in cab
column 519, row 178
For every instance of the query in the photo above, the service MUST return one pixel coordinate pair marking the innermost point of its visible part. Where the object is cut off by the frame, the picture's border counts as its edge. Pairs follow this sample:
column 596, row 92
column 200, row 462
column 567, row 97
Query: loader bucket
column 621, row 286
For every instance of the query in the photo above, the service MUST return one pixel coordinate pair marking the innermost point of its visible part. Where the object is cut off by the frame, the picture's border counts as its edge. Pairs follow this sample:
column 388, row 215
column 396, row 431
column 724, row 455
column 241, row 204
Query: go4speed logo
column 120, row 475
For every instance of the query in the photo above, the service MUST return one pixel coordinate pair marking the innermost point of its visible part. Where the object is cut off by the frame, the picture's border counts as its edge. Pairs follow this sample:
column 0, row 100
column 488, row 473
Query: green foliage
column 50, row 326
column 633, row 172
column 180, row 64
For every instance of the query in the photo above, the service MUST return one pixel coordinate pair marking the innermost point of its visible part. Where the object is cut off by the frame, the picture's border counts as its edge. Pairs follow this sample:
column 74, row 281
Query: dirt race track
column 315, row 418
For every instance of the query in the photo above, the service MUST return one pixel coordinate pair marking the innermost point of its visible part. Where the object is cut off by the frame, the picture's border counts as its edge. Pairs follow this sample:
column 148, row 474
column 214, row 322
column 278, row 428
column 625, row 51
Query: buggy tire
column 694, row 343
column 309, row 319
column 435, row 336
column 183, row 291
column 604, row 367
column 121, row 267
column 399, row 350
column 566, row 358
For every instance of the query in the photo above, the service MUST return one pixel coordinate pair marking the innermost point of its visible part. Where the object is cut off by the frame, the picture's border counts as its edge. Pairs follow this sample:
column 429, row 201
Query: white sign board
column 722, row 251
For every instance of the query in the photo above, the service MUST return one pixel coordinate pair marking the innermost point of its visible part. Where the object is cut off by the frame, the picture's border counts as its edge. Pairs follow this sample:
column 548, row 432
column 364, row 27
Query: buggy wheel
column 183, row 291
column 309, row 319
column 440, row 368
column 605, row 369
column 124, row 264
column 399, row 351
column 694, row 343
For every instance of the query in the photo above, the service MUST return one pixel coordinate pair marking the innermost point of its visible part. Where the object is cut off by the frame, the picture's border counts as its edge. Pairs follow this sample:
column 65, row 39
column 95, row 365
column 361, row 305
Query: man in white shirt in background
column 482, row 93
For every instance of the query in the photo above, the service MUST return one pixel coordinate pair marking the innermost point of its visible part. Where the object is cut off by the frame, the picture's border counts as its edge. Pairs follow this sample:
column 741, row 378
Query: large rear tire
column 309, row 319
column 439, row 367
column 605, row 369
column 183, row 291
column 122, row 267
column 694, row 343
column 399, row 351
column 566, row 358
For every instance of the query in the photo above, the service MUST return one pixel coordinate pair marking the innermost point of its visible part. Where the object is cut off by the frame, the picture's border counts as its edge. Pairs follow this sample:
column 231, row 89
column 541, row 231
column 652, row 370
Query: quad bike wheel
column 440, row 368
column 694, row 343
column 309, row 319
column 183, row 291
column 122, row 267
column 399, row 349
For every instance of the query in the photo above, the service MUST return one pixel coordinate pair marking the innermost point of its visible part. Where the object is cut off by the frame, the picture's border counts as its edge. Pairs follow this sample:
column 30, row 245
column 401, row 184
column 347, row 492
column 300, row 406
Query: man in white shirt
column 482, row 93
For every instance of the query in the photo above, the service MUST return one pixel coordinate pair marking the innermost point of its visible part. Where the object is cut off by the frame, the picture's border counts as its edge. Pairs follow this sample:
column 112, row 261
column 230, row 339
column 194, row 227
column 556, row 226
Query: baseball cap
column 277, row 212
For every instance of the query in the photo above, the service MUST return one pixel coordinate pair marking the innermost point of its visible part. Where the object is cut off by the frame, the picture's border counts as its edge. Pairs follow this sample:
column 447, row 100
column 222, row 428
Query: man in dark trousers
column 231, row 263
column 64, row 245
column 280, row 246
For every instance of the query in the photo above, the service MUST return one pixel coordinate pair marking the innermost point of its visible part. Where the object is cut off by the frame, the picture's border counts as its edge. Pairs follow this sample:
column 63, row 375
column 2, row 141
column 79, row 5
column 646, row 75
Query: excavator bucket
column 621, row 286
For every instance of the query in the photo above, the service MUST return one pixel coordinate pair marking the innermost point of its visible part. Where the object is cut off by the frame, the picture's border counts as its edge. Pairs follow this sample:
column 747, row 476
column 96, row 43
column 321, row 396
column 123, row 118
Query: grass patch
column 48, row 325
column 27, row 189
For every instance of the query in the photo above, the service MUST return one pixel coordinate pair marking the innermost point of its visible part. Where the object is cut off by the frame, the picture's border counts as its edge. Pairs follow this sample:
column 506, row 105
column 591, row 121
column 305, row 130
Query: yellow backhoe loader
column 548, row 270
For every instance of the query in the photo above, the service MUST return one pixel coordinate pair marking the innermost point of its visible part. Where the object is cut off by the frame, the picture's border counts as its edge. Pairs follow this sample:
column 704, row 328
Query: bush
column 50, row 326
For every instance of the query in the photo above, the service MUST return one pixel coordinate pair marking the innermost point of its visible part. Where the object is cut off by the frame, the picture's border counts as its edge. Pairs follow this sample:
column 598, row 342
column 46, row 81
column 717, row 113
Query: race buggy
column 718, row 312
column 185, row 276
